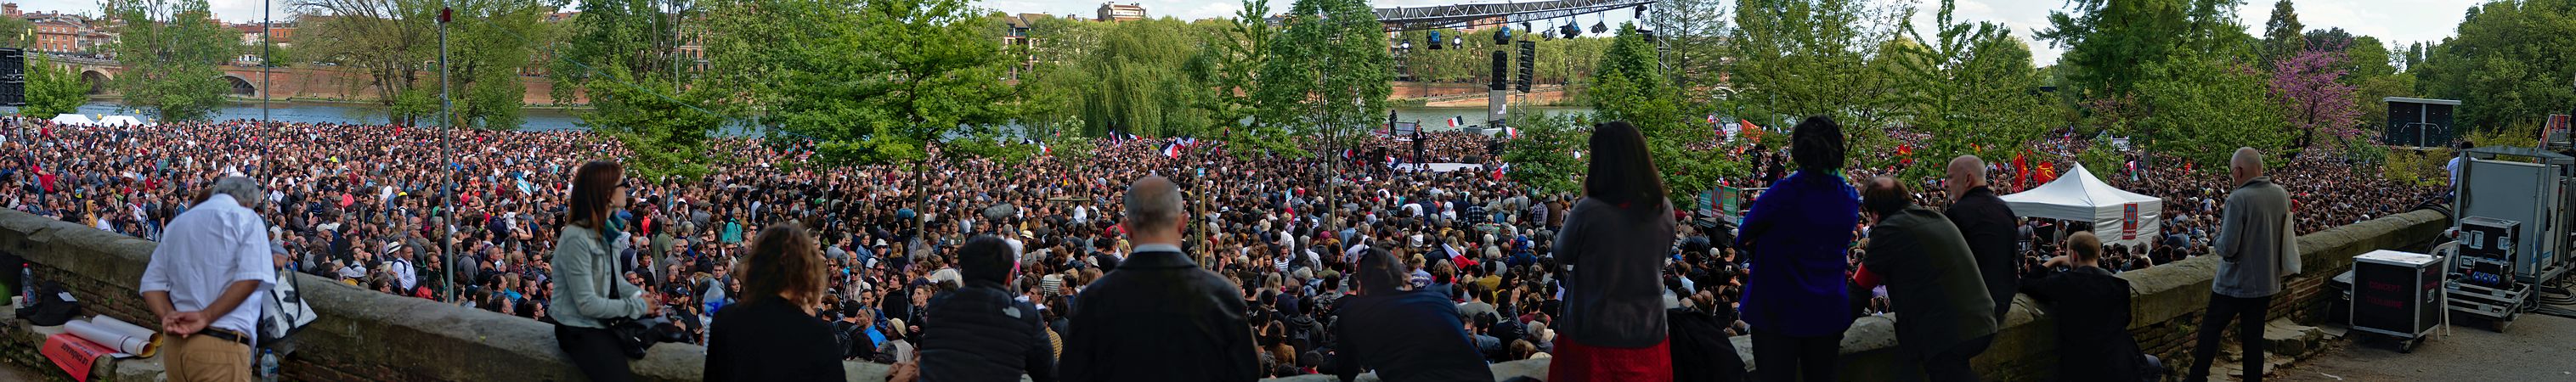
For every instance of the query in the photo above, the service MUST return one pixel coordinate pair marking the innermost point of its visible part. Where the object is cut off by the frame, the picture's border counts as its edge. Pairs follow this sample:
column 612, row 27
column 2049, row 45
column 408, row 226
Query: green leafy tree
column 1325, row 74
column 17, row 32
column 2509, row 64
column 2108, row 43
column 1797, row 58
column 395, row 44
column 386, row 40
column 891, row 79
column 1543, row 157
column 1236, row 56
column 2206, row 108
column 171, row 49
column 1972, row 90
column 52, row 90
column 663, row 130
column 1694, row 33
column 1631, row 86
column 2283, row 34
column 1142, row 82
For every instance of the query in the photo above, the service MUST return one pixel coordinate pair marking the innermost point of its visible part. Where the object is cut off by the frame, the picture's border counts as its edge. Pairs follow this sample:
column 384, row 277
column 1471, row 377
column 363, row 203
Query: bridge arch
column 96, row 79
column 241, row 87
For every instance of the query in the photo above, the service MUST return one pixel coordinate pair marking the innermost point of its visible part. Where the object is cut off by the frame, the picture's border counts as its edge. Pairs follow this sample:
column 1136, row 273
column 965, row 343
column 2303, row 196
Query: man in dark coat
column 1943, row 315
column 2092, row 311
column 1405, row 335
column 1159, row 317
column 1988, row 225
column 978, row 332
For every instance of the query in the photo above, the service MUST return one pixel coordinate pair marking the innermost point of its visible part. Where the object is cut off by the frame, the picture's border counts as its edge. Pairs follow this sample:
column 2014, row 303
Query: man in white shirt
column 199, row 281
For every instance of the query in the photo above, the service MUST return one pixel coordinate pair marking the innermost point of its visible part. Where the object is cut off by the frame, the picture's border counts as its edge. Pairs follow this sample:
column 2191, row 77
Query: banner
column 2129, row 221
column 74, row 355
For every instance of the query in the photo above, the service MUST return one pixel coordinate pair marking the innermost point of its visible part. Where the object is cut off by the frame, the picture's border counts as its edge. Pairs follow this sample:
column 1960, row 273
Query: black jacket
column 1159, row 317
column 771, row 340
column 1931, row 281
column 2092, row 311
column 979, row 333
column 1988, row 225
column 1406, row 336
column 1700, row 349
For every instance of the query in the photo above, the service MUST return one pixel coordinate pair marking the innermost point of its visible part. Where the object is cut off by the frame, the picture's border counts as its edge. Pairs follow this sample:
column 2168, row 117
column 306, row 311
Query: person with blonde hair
column 774, row 334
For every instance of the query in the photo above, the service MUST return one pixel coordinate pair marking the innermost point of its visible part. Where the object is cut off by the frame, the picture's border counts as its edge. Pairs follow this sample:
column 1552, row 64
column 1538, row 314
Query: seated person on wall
column 2092, row 311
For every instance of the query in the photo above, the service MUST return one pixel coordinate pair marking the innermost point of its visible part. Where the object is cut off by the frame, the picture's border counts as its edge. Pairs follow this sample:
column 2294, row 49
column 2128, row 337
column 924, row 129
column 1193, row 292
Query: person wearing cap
column 200, row 282
column 979, row 332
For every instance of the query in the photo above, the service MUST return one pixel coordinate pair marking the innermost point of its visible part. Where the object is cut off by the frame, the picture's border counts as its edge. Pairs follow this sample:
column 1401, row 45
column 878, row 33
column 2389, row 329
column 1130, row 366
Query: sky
column 2393, row 21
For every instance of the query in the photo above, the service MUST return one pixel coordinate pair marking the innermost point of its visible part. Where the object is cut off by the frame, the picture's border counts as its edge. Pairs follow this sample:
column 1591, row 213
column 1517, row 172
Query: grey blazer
column 585, row 278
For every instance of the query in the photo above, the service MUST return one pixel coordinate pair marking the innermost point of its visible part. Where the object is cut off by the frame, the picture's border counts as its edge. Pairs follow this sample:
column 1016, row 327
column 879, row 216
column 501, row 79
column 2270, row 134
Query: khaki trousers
column 200, row 358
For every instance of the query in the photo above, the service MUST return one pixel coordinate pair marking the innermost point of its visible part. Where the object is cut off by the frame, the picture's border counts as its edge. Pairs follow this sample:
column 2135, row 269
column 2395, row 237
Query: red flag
column 1751, row 131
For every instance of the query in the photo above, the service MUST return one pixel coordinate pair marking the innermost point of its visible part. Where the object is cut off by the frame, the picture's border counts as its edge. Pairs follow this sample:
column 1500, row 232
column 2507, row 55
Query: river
column 556, row 119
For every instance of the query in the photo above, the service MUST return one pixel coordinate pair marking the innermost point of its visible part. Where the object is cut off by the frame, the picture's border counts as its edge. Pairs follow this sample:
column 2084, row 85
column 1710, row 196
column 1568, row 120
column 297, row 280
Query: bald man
column 1989, row 227
column 2253, row 242
column 1158, row 317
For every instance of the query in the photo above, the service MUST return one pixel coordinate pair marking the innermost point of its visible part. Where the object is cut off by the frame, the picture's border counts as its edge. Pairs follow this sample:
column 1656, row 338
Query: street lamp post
column 447, row 196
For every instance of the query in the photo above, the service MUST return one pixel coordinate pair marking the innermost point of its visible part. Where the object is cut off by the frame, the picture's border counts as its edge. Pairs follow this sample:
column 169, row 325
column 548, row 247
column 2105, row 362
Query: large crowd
column 380, row 206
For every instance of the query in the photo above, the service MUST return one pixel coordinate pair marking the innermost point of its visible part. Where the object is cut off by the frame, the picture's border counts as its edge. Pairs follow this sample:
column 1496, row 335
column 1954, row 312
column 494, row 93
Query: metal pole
column 266, row 52
column 447, row 196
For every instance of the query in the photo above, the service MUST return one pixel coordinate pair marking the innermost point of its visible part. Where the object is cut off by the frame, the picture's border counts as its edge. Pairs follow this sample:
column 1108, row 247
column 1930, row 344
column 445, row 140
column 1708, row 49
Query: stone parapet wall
column 367, row 336
column 2165, row 305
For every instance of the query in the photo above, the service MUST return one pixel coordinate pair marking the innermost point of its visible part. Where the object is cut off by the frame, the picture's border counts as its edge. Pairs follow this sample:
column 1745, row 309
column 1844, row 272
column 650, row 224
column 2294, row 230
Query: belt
column 225, row 334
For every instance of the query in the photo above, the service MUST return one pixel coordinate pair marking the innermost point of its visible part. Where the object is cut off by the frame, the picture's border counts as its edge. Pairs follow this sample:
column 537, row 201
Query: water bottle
column 268, row 365
column 27, row 283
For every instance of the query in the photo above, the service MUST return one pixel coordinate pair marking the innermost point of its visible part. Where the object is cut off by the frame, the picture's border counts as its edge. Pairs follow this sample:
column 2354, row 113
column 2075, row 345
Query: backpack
column 842, row 334
column 53, row 305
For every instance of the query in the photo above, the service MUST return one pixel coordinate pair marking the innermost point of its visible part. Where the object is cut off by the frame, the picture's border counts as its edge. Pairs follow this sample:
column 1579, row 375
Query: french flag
column 1173, row 151
column 1512, row 132
column 1455, row 121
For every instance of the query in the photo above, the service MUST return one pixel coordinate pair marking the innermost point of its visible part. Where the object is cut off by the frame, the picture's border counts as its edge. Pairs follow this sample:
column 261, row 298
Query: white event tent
column 2119, row 217
column 73, row 119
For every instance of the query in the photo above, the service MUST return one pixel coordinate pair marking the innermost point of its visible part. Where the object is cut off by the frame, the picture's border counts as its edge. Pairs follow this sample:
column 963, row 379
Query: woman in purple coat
column 1798, row 237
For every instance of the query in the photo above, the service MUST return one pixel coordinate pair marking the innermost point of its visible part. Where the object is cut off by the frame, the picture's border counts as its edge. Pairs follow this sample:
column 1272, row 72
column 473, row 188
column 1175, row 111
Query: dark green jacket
column 1939, row 297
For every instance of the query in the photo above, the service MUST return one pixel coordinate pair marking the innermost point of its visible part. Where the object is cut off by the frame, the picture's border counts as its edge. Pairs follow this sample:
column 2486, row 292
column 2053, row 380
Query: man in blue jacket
column 1405, row 335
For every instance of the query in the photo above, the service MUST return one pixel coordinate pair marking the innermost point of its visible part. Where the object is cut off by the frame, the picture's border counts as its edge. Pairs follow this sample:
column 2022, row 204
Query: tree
column 1326, row 73
column 664, row 133
column 170, row 49
column 2509, row 64
column 1632, row 87
column 395, row 43
column 491, row 40
column 1973, row 91
column 1237, row 55
column 1543, row 157
column 2204, row 108
column 384, row 39
column 1141, row 81
column 888, row 80
column 2282, row 34
column 1795, row 58
column 52, row 90
column 2109, row 44
column 2373, row 73
column 1695, row 33
column 2308, row 86
column 15, row 35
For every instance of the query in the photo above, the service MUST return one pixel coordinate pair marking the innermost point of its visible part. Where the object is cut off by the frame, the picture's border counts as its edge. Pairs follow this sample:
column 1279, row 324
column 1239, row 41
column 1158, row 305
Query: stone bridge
column 288, row 83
